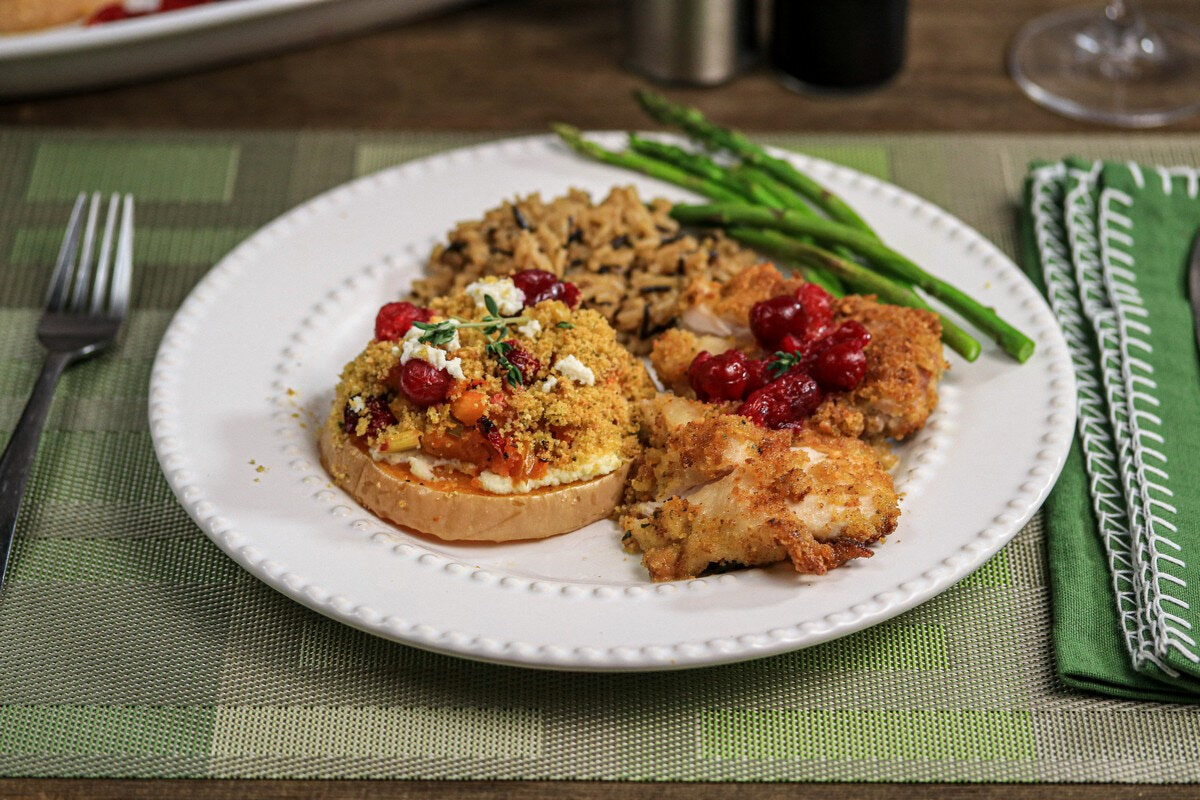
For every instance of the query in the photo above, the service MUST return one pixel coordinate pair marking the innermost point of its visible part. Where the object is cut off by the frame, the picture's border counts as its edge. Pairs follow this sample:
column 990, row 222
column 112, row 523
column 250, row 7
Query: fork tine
column 83, row 274
column 100, row 284
column 66, row 258
column 123, row 267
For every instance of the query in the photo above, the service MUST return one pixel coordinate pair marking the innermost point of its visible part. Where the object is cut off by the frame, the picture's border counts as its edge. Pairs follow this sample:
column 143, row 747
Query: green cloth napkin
column 1109, row 244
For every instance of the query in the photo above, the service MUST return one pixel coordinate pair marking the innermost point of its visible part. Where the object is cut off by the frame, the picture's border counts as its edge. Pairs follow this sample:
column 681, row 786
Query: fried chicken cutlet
column 904, row 365
column 904, row 358
column 715, row 490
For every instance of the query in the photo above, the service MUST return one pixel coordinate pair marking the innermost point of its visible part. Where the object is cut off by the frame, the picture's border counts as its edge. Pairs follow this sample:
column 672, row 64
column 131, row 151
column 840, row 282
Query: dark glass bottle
column 838, row 44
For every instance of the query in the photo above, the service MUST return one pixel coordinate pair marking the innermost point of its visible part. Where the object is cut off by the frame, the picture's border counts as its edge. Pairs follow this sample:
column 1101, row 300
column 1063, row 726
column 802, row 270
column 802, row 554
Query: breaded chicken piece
column 672, row 353
column 717, row 490
column 664, row 413
column 723, row 309
column 904, row 358
column 904, row 365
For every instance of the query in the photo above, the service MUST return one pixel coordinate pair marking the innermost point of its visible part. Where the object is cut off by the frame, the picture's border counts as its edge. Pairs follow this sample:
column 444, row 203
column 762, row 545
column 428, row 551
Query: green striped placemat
column 130, row 646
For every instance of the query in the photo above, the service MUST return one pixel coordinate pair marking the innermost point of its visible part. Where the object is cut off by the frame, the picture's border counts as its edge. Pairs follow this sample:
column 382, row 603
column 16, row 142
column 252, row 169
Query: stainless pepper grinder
column 691, row 42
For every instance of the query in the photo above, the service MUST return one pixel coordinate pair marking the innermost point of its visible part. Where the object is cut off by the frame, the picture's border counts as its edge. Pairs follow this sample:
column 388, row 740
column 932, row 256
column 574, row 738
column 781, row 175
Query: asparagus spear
column 648, row 166
column 753, row 183
column 695, row 163
column 755, row 188
column 703, row 166
column 673, row 173
column 1015, row 343
column 828, row 281
column 858, row 278
column 789, row 198
column 693, row 122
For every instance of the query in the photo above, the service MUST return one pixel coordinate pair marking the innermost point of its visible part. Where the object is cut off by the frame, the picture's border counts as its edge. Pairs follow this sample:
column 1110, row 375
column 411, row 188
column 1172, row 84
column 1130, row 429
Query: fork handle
column 17, row 461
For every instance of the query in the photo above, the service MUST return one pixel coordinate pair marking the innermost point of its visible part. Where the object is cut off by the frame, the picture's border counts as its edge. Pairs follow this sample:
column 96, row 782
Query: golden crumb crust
column 904, row 365
column 904, row 357
column 554, row 421
column 715, row 491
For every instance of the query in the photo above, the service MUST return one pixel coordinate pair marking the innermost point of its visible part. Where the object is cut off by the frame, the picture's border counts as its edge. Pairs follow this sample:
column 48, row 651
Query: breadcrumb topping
column 543, row 430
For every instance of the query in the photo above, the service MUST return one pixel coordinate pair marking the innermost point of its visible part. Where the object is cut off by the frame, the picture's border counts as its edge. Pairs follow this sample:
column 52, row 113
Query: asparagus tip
column 571, row 136
column 564, row 130
column 652, row 102
column 644, row 95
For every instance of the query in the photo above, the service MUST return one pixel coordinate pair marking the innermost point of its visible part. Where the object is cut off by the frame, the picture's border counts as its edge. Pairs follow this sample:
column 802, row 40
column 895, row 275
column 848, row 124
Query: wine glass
column 1117, row 66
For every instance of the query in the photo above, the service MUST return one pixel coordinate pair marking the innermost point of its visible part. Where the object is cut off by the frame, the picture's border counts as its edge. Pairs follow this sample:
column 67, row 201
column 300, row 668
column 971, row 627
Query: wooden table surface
column 516, row 65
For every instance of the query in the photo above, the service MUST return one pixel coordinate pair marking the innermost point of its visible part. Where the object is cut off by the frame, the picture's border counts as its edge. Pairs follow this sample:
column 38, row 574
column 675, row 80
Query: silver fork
column 87, row 301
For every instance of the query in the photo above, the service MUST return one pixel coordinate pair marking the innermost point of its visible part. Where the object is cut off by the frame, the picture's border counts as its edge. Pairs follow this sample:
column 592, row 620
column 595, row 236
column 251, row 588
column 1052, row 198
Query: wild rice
column 629, row 258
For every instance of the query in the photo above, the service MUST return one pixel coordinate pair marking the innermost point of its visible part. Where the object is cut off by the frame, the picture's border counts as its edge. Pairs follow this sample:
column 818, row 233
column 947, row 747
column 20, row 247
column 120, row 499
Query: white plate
column 245, row 377
column 75, row 57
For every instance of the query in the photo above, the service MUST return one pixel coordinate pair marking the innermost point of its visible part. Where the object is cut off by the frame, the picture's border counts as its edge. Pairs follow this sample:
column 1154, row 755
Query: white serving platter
column 72, row 58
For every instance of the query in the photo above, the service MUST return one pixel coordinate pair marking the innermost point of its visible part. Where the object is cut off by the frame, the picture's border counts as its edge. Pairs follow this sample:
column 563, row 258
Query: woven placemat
column 130, row 646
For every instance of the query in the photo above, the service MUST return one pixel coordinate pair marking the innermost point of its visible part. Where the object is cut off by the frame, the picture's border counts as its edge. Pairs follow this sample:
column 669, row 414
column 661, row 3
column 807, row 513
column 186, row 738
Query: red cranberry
column 817, row 302
column 783, row 403
column 538, row 285
column 533, row 283
column 523, row 360
column 566, row 292
column 802, row 393
column 394, row 320
column 719, row 378
column 377, row 412
column 760, row 375
column 571, row 294
column 840, row 366
column 771, row 320
column 791, row 343
column 850, row 332
column 765, row 408
column 421, row 382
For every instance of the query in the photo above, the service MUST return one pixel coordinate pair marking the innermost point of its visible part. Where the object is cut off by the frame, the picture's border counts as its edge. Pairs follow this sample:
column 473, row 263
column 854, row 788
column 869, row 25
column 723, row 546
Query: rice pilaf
column 628, row 257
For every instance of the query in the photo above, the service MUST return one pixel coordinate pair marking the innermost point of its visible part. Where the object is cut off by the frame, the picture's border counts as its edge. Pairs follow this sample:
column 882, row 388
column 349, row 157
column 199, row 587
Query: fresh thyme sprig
column 500, row 350
column 494, row 324
column 437, row 333
column 783, row 361
column 440, row 333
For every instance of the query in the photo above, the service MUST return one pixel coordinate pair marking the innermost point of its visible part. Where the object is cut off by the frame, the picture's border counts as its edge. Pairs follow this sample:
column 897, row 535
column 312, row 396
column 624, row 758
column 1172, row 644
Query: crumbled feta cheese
column 502, row 484
column 413, row 348
column 357, row 405
column 422, row 464
column 549, row 383
column 421, row 467
column 571, row 367
column 509, row 299
column 530, row 329
column 413, row 334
